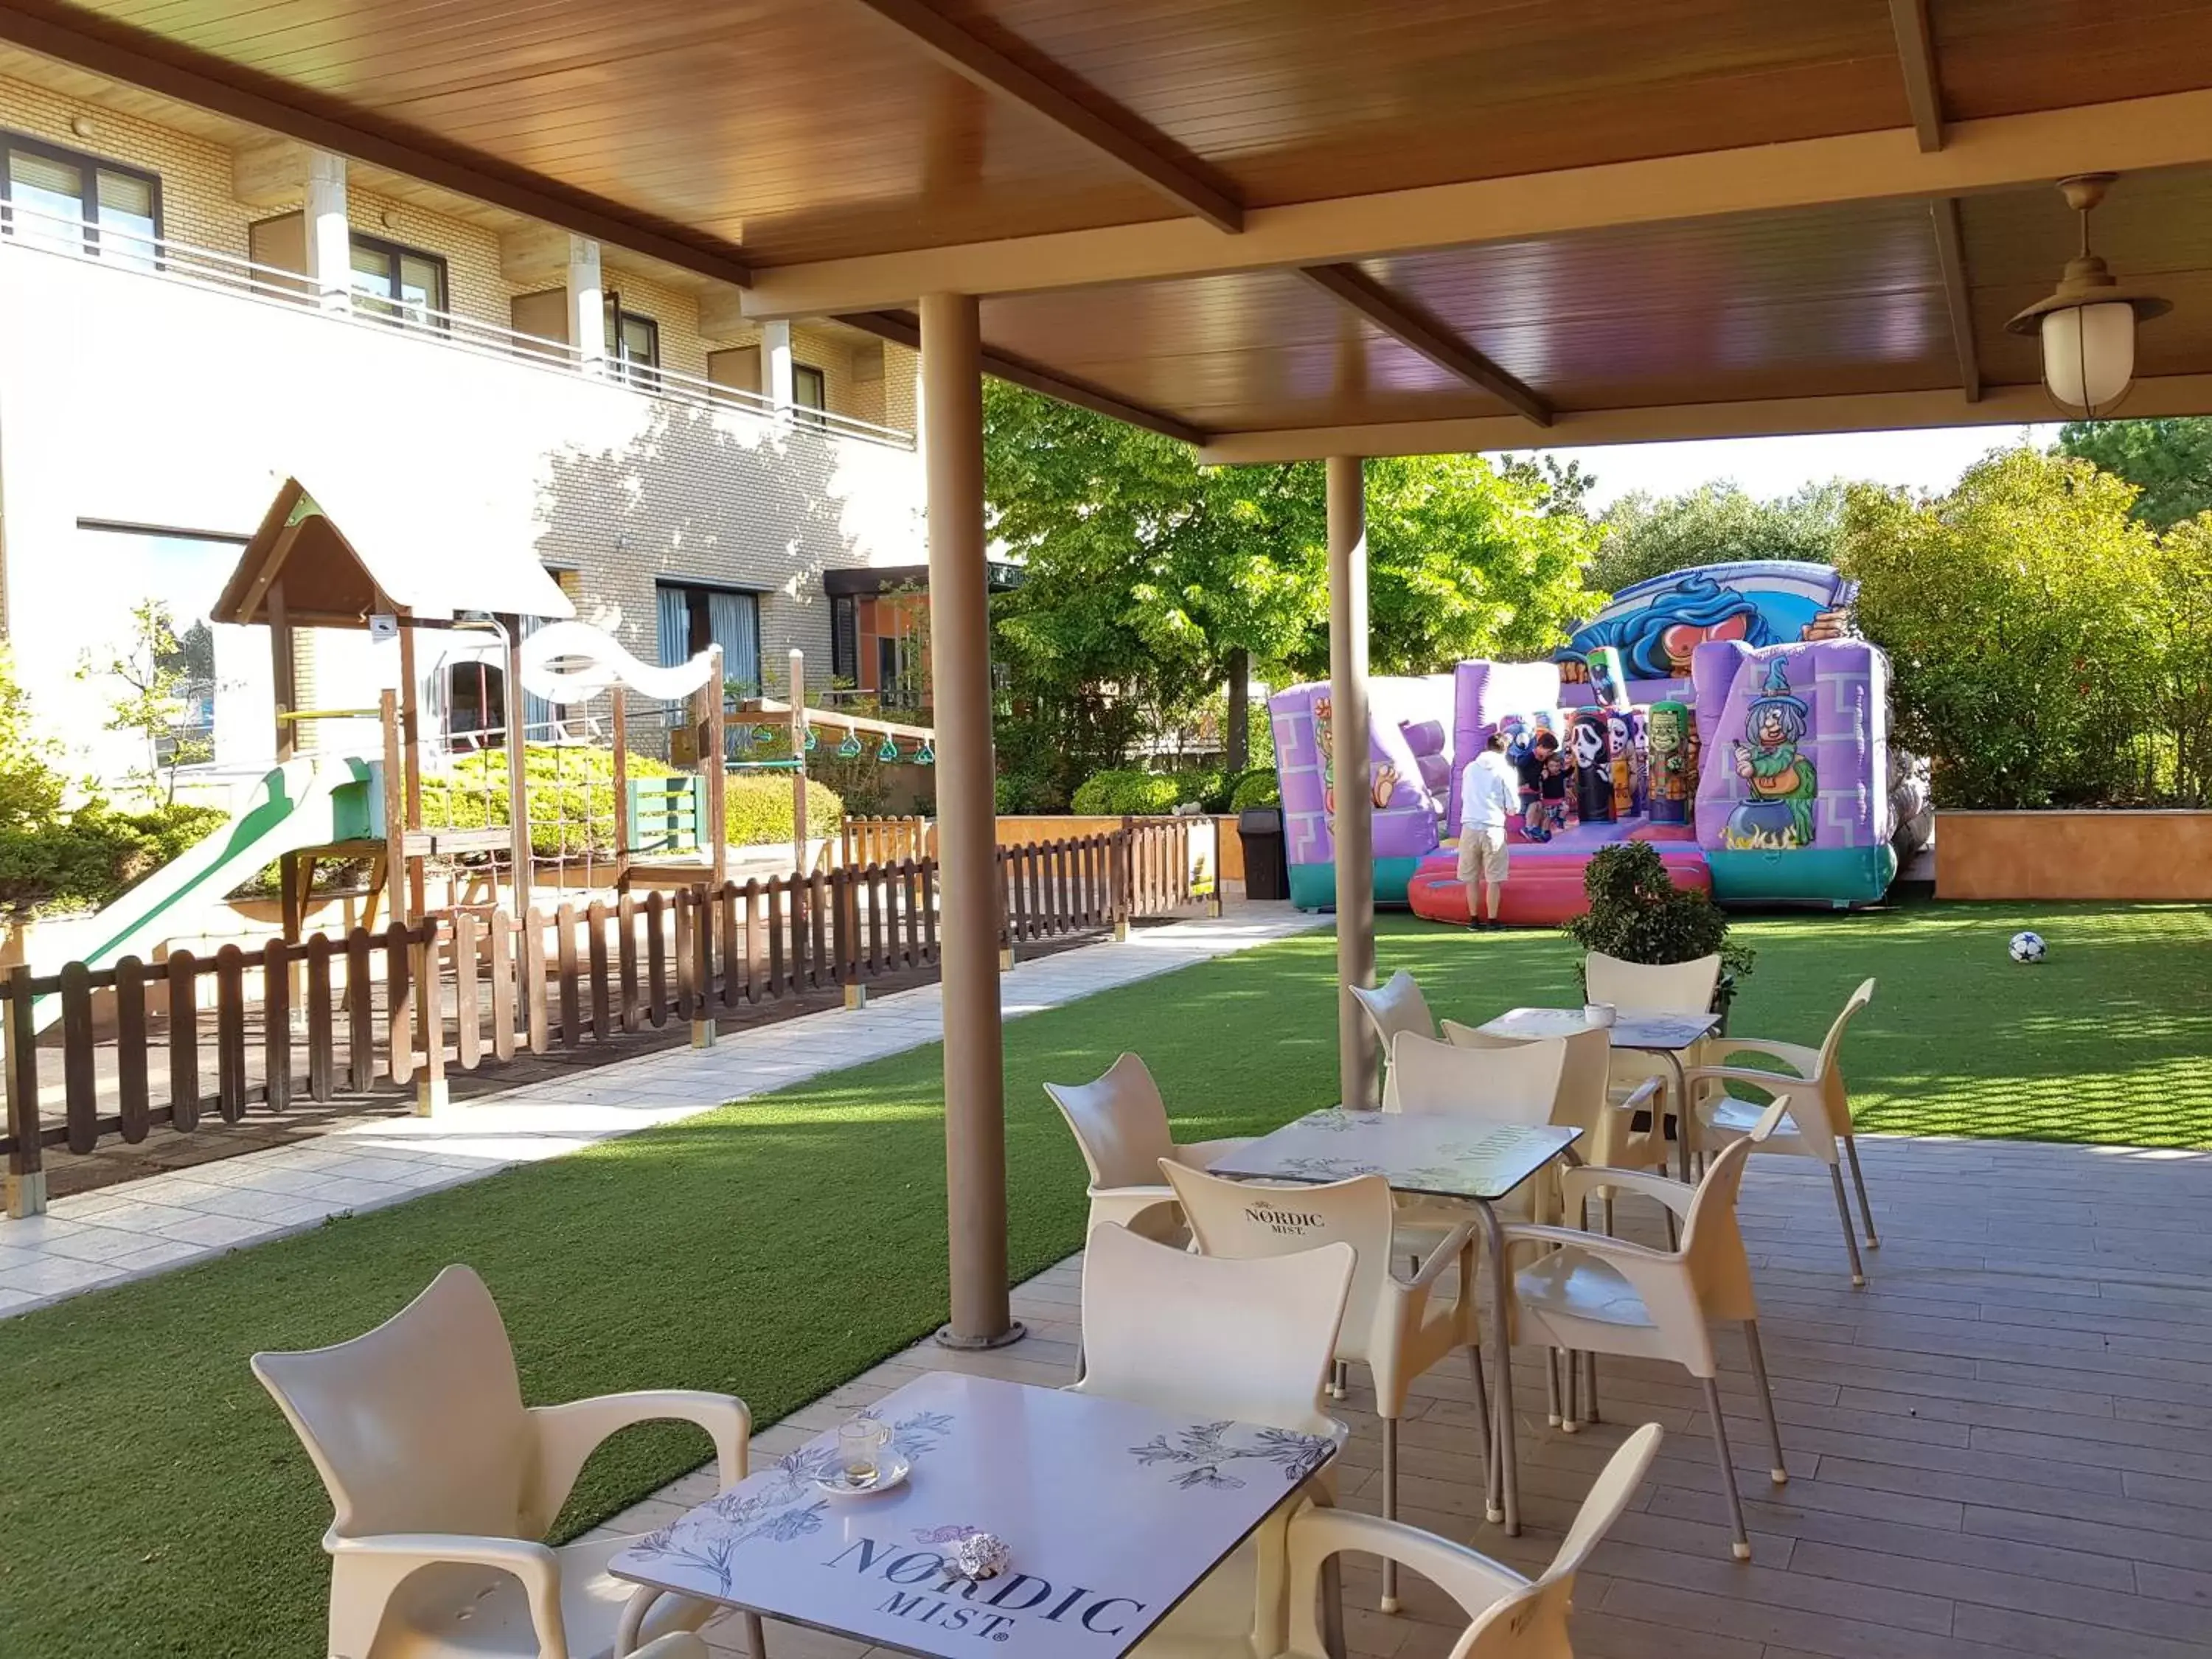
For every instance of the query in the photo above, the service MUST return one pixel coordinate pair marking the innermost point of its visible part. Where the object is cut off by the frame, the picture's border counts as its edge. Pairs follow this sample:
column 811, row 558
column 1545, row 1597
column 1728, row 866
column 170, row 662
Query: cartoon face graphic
column 1771, row 728
column 1617, row 726
column 1588, row 742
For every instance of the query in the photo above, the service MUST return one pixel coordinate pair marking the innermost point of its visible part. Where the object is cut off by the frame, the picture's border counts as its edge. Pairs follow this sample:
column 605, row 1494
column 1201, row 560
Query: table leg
column 1681, row 1114
column 1501, row 1326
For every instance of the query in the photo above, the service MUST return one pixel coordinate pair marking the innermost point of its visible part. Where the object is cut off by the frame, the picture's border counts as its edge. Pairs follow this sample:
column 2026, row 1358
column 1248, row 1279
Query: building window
column 845, row 638
column 402, row 283
column 62, row 198
column 633, row 346
column 476, row 705
column 810, row 395
column 693, row 616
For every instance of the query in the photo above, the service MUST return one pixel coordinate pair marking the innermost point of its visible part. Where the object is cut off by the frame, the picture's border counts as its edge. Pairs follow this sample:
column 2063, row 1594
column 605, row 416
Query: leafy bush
column 1123, row 791
column 1203, row 786
column 757, row 809
column 1637, row 914
column 2048, row 648
column 1256, row 788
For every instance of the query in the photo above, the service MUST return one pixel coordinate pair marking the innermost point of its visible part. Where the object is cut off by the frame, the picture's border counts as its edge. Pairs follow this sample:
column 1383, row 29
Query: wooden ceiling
column 1290, row 223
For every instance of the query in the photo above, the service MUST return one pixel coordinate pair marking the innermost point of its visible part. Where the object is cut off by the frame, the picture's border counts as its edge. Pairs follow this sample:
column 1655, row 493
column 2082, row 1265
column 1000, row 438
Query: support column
column 587, row 306
column 327, row 237
column 779, row 385
column 967, row 826
column 1354, row 826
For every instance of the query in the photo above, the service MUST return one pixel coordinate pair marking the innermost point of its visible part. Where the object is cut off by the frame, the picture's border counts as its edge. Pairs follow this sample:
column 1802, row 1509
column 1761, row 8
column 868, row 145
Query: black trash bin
column 1267, row 869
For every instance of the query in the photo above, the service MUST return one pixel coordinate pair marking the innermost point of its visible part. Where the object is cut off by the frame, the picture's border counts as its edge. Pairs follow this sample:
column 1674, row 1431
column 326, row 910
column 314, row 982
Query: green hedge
column 1259, row 788
column 1122, row 790
column 90, row 857
column 572, row 799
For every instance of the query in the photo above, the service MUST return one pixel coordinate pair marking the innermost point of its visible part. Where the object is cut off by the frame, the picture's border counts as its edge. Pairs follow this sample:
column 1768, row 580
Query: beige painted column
column 967, row 826
column 326, row 235
column 1354, row 828
column 587, row 305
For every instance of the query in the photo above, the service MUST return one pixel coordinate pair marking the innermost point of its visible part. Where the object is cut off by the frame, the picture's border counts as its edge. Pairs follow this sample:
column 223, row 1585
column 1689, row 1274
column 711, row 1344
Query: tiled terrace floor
column 2003, row 1446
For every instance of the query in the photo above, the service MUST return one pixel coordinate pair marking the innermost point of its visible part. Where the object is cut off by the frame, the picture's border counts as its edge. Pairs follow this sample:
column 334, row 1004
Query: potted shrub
column 1637, row 914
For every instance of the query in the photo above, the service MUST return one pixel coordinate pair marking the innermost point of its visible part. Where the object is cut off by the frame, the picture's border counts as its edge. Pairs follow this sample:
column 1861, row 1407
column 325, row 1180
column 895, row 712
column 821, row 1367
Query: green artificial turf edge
column 152, row 1502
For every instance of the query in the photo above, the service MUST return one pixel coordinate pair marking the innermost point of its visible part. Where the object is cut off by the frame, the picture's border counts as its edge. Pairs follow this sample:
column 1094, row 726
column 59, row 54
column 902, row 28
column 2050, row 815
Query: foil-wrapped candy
column 981, row 1555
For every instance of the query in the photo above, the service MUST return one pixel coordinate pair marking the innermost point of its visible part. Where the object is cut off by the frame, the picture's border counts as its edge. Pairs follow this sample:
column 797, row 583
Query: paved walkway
column 117, row 1233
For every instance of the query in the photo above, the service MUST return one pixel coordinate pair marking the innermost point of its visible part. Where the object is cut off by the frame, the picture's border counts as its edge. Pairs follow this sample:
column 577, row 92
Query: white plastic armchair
column 1398, row 1328
column 1121, row 1122
column 1515, row 1083
column 1646, row 987
column 443, row 1485
column 1218, row 1338
column 1587, row 1102
column 1818, row 1120
column 1590, row 1294
column 1391, row 1008
column 1513, row 1617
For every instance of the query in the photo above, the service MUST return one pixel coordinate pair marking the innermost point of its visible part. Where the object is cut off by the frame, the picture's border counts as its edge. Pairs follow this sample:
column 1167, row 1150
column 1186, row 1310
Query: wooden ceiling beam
column 904, row 328
column 1874, row 412
column 2006, row 152
column 1951, row 257
column 92, row 43
column 1118, row 136
column 1355, row 288
column 1916, row 56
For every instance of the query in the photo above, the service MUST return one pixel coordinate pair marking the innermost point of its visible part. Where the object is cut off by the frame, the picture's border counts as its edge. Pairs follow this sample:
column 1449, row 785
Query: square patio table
column 1665, row 1034
column 1113, row 1512
column 1438, row 1155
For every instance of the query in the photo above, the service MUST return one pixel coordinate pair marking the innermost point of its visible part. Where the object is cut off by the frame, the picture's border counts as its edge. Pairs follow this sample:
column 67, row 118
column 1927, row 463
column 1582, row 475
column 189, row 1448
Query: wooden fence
column 408, row 1003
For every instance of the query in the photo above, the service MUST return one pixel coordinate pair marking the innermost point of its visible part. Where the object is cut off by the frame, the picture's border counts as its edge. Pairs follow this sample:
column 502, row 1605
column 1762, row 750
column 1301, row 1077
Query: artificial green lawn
column 152, row 1502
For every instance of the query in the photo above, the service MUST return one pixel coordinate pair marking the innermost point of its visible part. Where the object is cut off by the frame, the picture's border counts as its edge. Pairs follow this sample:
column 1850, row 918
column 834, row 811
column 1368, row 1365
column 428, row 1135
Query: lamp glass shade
column 2089, row 353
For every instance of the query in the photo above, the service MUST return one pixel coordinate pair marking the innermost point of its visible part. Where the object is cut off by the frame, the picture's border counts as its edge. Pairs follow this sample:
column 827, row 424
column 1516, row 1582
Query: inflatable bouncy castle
column 1729, row 715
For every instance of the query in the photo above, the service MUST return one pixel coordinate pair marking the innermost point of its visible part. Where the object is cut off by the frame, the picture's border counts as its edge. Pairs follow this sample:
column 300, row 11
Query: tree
column 1642, row 536
column 2024, row 614
column 2170, row 461
column 160, row 673
column 30, row 783
column 1150, row 581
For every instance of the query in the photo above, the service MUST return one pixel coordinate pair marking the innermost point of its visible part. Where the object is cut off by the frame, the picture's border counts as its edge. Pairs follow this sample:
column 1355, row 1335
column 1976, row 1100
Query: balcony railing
column 173, row 261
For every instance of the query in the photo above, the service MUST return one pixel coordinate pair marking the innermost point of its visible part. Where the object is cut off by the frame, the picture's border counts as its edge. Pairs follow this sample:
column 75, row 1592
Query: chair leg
column 1858, row 1180
column 1482, row 1406
column 1389, row 1509
column 1552, row 1387
column 1778, row 1471
column 1606, row 1205
column 1741, row 1548
column 1851, row 1233
column 1339, row 1380
column 1570, row 1415
column 756, row 1639
column 1589, row 1388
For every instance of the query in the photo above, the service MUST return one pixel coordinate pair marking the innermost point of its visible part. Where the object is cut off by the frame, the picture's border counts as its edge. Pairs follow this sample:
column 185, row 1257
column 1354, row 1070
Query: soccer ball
column 2027, row 947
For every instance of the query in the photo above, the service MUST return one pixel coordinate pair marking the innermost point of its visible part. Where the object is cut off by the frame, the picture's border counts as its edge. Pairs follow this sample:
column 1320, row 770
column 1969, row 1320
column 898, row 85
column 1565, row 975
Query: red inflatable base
column 1544, row 885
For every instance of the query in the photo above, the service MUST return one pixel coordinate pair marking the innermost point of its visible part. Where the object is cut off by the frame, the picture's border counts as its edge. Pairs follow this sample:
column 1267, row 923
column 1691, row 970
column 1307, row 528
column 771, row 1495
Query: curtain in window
column 734, row 621
column 675, row 617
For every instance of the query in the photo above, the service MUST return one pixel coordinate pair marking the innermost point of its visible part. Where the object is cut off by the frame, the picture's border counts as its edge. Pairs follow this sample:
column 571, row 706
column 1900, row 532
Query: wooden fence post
column 26, row 1175
column 432, row 1092
column 1119, row 879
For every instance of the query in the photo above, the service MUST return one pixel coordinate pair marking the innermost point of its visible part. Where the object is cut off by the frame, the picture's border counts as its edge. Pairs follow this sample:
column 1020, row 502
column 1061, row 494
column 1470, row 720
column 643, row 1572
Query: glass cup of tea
column 860, row 1443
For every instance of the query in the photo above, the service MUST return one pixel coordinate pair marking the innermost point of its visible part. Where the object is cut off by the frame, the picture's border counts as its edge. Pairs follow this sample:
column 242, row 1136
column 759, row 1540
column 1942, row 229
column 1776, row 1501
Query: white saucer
column 892, row 1470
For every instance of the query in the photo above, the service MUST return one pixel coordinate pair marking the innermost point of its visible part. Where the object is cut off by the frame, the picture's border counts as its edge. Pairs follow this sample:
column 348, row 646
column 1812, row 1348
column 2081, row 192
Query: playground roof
column 390, row 557
column 1287, row 229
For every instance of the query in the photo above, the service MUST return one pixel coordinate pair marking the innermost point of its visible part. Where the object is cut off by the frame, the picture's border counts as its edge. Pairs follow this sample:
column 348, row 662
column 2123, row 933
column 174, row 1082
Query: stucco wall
column 2074, row 855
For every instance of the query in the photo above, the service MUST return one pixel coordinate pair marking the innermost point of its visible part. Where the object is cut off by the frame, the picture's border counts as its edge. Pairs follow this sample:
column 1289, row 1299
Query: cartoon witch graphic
column 1783, row 783
column 1325, row 741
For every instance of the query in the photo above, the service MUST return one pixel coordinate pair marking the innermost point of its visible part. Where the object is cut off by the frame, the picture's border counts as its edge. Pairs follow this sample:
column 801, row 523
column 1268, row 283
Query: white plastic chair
column 1511, row 1083
column 1644, row 988
column 1397, row 1329
column 1819, row 1115
column 677, row 1644
column 1218, row 1338
column 444, row 1484
column 1590, row 1294
column 1396, row 1006
column 1121, row 1122
column 1587, row 1100
column 1513, row 1617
